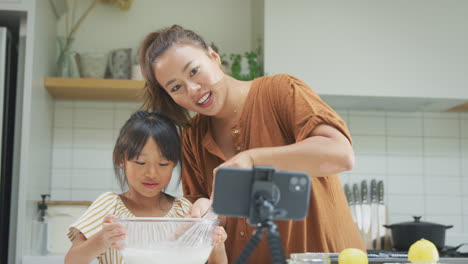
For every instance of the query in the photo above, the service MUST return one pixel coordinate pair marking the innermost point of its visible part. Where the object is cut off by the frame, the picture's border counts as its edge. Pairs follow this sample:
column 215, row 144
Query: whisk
column 195, row 235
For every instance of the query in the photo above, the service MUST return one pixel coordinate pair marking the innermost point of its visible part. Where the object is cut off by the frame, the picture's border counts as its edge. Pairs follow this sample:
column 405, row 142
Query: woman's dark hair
column 135, row 133
column 154, row 45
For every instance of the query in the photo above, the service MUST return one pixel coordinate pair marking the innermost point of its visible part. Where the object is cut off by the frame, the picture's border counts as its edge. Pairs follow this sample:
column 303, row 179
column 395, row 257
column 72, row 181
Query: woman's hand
column 110, row 235
column 242, row 159
column 200, row 207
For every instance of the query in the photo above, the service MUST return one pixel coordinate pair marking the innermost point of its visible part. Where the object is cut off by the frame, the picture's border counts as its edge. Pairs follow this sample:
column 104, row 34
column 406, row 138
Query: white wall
column 227, row 23
column 371, row 48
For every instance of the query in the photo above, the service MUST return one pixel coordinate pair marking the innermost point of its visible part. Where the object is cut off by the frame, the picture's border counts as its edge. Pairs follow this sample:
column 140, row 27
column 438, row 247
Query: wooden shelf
column 461, row 107
column 94, row 89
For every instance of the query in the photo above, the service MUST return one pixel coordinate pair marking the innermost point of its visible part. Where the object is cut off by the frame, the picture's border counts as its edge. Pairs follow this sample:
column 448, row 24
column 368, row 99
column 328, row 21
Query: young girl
column 146, row 151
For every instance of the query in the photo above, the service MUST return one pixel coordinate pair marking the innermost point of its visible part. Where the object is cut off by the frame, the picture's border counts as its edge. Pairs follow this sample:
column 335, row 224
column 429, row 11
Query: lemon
column 352, row 256
column 423, row 251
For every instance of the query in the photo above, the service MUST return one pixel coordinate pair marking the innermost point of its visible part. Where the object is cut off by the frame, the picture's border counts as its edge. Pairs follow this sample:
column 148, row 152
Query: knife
column 351, row 203
column 357, row 206
column 366, row 214
column 374, row 214
column 382, row 214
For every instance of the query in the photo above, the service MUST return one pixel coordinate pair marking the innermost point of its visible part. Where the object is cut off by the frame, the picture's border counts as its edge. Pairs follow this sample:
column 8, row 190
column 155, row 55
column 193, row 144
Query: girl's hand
column 219, row 236
column 111, row 234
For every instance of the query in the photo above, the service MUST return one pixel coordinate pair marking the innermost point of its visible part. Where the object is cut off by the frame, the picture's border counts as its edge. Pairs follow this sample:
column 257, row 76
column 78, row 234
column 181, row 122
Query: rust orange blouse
column 279, row 110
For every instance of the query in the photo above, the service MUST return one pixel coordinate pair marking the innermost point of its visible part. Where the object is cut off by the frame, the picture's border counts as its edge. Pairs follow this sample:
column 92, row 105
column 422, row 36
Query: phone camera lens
column 293, row 180
column 303, row 181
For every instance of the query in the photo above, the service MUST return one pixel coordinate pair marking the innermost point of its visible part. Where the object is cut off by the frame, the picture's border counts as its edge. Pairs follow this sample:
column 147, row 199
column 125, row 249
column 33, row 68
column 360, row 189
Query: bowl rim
column 165, row 220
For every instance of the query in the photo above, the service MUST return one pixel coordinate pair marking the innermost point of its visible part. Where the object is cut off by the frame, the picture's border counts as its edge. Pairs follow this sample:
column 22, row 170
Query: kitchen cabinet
column 377, row 49
column 94, row 89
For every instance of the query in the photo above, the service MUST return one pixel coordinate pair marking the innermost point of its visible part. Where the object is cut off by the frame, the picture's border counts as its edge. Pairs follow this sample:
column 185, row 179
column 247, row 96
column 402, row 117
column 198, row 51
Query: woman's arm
column 326, row 152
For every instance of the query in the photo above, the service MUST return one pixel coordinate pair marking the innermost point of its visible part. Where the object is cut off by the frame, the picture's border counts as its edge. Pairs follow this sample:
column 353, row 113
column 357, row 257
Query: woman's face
column 149, row 173
column 192, row 78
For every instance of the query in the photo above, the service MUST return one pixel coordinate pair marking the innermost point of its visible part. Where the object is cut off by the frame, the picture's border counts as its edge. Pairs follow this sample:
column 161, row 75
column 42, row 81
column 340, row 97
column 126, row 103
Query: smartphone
column 235, row 191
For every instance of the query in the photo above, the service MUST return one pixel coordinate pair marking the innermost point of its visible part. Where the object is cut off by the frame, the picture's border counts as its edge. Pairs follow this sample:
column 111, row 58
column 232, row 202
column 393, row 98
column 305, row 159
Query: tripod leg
column 250, row 247
column 276, row 248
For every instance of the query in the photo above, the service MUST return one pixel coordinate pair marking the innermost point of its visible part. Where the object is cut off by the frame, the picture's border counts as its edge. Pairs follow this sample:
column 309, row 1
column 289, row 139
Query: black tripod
column 264, row 213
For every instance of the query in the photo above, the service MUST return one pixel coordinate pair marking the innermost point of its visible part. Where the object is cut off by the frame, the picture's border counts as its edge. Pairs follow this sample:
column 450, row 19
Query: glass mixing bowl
column 153, row 240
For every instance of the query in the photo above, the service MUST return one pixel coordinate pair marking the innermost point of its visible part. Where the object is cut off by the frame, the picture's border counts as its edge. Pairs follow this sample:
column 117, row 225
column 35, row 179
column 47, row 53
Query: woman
column 276, row 120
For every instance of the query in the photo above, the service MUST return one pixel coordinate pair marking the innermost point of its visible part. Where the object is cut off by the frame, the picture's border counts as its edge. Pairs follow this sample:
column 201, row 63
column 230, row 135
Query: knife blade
column 357, row 206
column 351, row 202
column 382, row 214
column 366, row 214
column 374, row 214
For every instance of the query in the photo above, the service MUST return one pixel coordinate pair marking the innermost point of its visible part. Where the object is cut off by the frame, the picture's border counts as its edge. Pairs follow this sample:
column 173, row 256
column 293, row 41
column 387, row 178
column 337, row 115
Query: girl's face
column 149, row 173
column 192, row 78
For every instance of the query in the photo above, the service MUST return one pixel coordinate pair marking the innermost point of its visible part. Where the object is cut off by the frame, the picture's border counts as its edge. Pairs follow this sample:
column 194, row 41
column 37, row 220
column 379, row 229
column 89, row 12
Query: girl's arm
column 85, row 250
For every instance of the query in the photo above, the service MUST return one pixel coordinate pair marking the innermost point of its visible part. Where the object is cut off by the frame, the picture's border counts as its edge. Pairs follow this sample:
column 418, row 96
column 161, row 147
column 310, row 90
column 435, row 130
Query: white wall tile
column 369, row 164
column 406, row 204
column 464, row 182
column 400, row 218
column 86, row 195
column 99, row 179
column 442, row 185
column 63, row 117
column 404, row 165
column 61, row 178
column 407, row 184
column 447, row 220
column 465, row 206
column 403, row 126
column 93, row 118
column 62, row 158
column 464, row 128
column 441, row 115
column 417, row 115
column 444, row 166
column 434, row 127
column 60, row 194
column 405, row 145
column 441, row 146
column 62, row 138
column 369, row 144
column 94, row 104
column 464, row 148
column 464, row 162
column 59, row 103
column 93, row 138
column 121, row 116
column 92, row 159
column 134, row 106
column 366, row 125
column 376, row 113
column 443, row 205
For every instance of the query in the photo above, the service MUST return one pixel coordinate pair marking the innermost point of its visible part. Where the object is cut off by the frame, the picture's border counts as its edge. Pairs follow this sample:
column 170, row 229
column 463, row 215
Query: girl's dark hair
column 135, row 133
column 154, row 45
